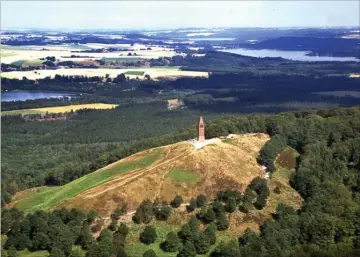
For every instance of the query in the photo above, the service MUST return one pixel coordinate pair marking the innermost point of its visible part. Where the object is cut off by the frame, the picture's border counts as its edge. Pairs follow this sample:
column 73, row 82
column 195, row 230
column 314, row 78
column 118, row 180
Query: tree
column 149, row 253
column 201, row 243
column 118, row 243
column 194, row 224
column 210, row 232
column 218, row 207
column 163, row 213
column 222, row 223
column 230, row 249
column 12, row 252
column 56, row 252
column 177, row 201
column 41, row 241
column 91, row 216
column 191, row 206
column 230, row 205
column 208, row 216
column 188, row 250
column 148, row 236
column 121, row 252
column 260, row 202
column 201, row 200
column 186, row 233
column 172, row 243
column 85, row 238
column 123, row 229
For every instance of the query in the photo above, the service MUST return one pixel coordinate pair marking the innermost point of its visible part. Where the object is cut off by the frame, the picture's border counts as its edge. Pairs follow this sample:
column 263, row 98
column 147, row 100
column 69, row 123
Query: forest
column 327, row 176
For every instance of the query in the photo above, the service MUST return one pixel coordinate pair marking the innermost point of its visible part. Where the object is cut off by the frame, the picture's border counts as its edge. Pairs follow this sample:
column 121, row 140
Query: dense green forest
column 327, row 176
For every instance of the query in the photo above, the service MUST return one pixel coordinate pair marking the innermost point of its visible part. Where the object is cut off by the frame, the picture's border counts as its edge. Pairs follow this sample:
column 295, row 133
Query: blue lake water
column 290, row 55
column 31, row 95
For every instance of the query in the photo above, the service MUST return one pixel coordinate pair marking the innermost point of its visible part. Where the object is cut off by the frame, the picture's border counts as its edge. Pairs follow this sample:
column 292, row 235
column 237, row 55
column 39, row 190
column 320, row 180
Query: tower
column 201, row 130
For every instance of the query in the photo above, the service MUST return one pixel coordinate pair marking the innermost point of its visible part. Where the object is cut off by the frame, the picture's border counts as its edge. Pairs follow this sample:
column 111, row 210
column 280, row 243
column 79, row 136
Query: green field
column 180, row 175
column 134, row 72
column 26, row 63
column 35, row 62
column 47, row 197
column 18, row 63
column 120, row 59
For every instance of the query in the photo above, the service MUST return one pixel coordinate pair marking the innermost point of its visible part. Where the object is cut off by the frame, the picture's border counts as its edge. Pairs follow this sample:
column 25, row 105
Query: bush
column 218, row 207
column 222, row 223
column 172, row 243
column 230, row 204
column 202, row 243
column 123, row 229
column 148, row 236
column 163, row 213
column 149, row 253
column 191, row 206
column 91, row 216
column 188, row 250
column 277, row 190
column 206, row 215
column 201, row 201
column 210, row 232
column 260, row 202
column 177, row 201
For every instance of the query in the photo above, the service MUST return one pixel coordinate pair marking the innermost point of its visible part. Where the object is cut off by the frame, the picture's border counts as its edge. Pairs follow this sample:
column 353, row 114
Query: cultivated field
column 155, row 73
column 64, row 52
column 60, row 109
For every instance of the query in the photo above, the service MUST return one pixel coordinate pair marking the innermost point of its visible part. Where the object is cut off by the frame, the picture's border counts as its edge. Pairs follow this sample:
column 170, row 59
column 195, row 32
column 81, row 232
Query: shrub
column 148, row 236
column 277, row 190
column 172, row 243
column 201, row 201
column 177, row 201
column 191, row 206
column 149, row 253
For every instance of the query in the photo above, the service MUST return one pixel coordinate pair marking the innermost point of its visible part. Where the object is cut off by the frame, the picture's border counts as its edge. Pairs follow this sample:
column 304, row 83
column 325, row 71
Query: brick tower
column 201, row 130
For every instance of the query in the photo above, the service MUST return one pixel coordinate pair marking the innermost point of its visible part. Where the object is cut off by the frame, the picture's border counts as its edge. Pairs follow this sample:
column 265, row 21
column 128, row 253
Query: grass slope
column 180, row 175
column 46, row 198
column 60, row 109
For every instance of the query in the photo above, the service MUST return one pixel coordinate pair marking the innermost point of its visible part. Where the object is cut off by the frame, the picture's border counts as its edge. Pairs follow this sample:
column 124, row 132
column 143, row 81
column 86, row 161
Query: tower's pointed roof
column 201, row 120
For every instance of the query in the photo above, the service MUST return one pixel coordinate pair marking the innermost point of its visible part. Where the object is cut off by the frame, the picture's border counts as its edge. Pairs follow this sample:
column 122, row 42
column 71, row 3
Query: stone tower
column 201, row 130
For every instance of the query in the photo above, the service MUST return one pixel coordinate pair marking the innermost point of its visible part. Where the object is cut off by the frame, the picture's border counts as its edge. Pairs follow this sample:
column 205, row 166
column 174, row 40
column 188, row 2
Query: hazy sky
column 171, row 14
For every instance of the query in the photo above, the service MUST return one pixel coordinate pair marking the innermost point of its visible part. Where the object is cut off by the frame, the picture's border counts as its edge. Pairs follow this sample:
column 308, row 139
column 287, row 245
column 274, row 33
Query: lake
column 31, row 95
column 290, row 55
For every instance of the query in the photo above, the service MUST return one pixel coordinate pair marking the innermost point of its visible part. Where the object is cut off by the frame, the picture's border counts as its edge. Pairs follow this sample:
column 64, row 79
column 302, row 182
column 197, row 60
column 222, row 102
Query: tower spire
column 201, row 130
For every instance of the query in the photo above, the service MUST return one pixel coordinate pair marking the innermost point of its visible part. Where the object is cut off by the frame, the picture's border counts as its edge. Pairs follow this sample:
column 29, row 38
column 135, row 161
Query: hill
column 162, row 173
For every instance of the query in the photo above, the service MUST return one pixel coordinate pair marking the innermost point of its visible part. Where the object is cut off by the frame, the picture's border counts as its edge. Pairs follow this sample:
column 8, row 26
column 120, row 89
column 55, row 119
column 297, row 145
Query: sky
column 177, row 14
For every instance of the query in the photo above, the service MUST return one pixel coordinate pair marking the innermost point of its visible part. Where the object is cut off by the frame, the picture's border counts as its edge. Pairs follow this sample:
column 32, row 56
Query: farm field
column 155, row 73
column 64, row 52
column 60, row 109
